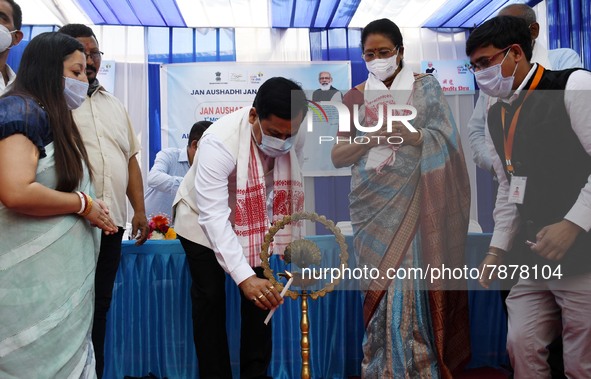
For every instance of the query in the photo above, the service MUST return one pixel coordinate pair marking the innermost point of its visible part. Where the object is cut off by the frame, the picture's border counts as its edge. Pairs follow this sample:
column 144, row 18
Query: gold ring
column 272, row 286
column 268, row 291
column 260, row 296
column 254, row 299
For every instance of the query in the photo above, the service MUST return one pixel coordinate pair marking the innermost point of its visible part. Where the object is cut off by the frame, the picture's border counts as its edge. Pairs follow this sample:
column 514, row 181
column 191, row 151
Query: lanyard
column 509, row 139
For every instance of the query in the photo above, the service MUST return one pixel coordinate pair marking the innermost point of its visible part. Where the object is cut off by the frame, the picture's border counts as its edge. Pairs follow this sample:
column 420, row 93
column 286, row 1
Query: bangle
column 88, row 207
column 82, row 202
column 492, row 253
column 420, row 140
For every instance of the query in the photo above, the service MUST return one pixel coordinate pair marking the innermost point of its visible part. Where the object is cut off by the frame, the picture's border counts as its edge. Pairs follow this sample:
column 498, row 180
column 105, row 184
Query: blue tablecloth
column 149, row 328
column 488, row 323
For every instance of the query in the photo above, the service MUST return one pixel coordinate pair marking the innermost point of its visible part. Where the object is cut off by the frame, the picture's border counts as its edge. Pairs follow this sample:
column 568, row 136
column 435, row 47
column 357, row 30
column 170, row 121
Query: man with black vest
column 541, row 144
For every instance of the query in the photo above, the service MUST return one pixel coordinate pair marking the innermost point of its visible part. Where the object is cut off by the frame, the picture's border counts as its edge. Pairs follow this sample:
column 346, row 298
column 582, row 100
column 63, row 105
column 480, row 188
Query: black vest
column 546, row 151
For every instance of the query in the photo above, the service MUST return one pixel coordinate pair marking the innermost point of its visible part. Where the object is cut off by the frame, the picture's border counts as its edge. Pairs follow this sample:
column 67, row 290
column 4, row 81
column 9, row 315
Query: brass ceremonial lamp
column 304, row 253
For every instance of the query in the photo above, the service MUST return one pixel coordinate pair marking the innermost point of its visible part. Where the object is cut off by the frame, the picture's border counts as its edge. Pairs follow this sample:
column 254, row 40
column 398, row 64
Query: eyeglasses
column 484, row 62
column 94, row 55
column 370, row 55
column 325, row 77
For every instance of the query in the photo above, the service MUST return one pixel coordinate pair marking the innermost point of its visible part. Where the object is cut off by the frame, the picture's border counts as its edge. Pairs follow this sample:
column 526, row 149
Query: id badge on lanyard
column 517, row 184
column 517, row 189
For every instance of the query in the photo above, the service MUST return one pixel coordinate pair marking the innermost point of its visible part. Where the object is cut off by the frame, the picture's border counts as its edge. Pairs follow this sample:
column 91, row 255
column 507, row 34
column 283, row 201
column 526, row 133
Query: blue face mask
column 272, row 146
column 75, row 92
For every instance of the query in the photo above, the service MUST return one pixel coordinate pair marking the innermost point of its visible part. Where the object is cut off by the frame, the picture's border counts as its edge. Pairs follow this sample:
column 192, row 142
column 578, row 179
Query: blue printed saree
column 414, row 213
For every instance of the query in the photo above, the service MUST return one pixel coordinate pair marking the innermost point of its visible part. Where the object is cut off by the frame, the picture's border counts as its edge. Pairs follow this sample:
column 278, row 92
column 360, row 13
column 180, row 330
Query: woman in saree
column 48, row 246
column 409, row 206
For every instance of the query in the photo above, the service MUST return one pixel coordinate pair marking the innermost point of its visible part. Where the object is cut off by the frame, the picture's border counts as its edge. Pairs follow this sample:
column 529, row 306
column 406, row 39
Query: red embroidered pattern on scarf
column 285, row 200
column 251, row 220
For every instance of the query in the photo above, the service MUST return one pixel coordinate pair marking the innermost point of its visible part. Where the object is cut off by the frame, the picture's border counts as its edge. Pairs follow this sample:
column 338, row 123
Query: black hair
column 280, row 97
column 388, row 29
column 41, row 76
column 77, row 30
column 17, row 14
column 197, row 130
column 384, row 27
column 501, row 32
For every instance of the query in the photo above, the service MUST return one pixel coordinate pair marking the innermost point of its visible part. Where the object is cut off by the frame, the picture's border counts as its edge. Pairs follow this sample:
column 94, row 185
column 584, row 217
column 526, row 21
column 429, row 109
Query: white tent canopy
column 262, row 13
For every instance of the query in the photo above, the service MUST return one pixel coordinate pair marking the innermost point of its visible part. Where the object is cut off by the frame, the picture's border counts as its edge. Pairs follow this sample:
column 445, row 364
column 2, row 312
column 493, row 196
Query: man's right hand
column 489, row 266
column 261, row 292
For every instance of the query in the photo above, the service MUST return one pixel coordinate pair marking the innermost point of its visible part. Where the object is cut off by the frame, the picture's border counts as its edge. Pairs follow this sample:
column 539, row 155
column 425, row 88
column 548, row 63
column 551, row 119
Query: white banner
column 453, row 76
column 207, row 91
column 106, row 75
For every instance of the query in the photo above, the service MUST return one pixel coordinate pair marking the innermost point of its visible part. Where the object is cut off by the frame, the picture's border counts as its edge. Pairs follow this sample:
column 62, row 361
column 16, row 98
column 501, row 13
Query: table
column 488, row 323
column 149, row 326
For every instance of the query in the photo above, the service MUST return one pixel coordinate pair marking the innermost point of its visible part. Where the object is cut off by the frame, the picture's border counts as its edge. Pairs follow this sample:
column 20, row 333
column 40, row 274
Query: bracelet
column 492, row 253
column 82, row 202
column 420, row 140
column 88, row 207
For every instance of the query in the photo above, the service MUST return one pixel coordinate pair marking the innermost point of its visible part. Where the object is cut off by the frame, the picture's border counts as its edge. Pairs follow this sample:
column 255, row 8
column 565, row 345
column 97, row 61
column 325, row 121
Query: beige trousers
column 539, row 311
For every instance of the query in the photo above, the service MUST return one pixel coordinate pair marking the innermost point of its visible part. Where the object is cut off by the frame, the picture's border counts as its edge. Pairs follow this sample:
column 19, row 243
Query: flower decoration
column 160, row 228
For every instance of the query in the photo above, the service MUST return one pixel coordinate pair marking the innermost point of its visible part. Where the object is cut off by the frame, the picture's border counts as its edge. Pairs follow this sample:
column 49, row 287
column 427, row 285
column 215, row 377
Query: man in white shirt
column 170, row 166
column 245, row 176
column 11, row 19
column 557, row 59
column 542, row 130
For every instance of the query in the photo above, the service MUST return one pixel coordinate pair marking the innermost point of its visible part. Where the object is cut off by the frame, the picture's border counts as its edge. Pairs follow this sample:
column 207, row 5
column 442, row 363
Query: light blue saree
column 47, row 267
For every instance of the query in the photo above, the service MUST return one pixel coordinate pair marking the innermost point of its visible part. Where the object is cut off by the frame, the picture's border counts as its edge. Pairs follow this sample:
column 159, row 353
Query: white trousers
column 539, row 311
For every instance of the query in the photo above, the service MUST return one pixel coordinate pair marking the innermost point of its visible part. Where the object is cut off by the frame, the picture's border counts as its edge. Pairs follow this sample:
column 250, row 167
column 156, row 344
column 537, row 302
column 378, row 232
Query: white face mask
column 5, row 38
column 75, row 92
column 492, row 82
column 272, row 146
column 382, row 68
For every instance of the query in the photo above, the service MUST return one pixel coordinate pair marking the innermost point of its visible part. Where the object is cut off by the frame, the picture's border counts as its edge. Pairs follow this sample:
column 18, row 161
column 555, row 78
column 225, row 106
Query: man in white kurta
column 245, row 176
